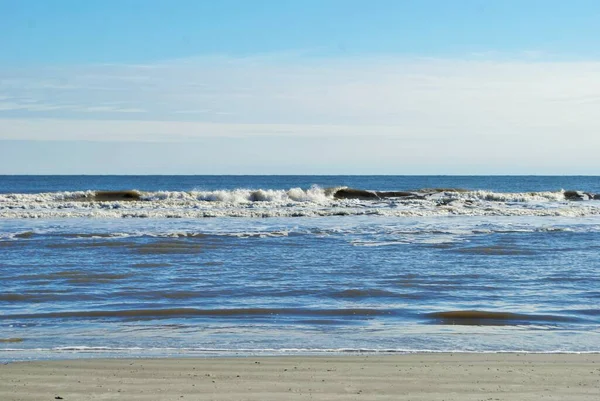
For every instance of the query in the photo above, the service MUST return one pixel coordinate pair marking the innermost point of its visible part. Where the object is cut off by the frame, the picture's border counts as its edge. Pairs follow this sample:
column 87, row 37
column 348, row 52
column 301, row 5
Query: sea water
column 243, row 265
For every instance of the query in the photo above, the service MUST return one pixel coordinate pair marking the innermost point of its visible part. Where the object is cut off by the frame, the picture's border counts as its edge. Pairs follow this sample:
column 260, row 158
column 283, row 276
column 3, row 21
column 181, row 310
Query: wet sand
column 398, row 377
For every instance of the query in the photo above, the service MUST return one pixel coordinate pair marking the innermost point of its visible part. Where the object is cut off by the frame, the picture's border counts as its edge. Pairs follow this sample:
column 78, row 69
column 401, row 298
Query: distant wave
column 181, row 312
column 296, row 202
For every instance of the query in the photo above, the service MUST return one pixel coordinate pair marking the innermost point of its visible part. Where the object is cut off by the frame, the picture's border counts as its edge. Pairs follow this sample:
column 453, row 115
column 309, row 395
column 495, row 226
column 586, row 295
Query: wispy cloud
column 108, row 109
column 480, row 101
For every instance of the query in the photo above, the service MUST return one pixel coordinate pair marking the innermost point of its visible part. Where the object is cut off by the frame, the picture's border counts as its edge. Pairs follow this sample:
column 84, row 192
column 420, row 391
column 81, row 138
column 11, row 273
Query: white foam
column 294, row 202
column 314, row 194
column 284, row 351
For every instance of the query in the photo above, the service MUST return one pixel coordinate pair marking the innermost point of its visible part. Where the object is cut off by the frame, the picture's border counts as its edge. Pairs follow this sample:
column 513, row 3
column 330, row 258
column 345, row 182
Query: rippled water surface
column 244, row 265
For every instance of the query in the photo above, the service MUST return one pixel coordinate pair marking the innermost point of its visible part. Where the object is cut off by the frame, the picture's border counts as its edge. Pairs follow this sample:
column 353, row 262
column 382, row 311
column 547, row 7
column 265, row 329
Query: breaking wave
column 295, row 202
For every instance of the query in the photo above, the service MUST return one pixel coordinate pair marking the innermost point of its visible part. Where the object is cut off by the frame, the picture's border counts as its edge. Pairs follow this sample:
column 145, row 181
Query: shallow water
column 505, row 264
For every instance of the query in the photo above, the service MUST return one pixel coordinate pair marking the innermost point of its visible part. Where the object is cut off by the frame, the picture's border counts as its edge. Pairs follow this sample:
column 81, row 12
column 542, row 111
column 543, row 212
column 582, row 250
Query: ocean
column 122, row 266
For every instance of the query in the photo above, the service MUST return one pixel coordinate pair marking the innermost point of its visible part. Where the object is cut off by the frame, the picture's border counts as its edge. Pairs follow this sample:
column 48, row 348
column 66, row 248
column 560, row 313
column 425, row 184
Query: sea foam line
column 295, row 202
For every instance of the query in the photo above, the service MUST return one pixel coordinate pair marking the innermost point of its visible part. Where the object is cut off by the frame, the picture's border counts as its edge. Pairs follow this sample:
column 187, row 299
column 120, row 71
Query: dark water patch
column 97, row 278
column 169, row 247
column 150, row 265
column 487, row 318
column 272, row 292
column 324, row 322
column 494, row 250
column 11, row 340
column 191, row 312
column 77, row 277
column 11, row 243
column 174, row 294
column 561, row 278
column 12, row 297
column 41, row 296
column 80, row 273
column 364, row 293
column 92, row 244
column 214, row 263
column 425, row 282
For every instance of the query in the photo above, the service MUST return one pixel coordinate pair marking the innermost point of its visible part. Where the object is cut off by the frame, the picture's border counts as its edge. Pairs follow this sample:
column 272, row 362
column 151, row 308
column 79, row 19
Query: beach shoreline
column 419, row 376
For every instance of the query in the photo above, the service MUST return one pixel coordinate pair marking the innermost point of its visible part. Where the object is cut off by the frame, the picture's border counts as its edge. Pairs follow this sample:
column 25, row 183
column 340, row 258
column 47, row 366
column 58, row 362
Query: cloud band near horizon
column 532, row 109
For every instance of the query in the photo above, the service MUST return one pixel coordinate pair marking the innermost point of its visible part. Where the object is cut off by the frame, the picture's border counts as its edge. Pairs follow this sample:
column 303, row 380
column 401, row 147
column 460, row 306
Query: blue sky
column 126, row 31
column 414, row 87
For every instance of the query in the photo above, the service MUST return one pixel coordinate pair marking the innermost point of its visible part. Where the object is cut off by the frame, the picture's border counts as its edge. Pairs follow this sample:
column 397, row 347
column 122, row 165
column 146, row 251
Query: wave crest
column 295, row 202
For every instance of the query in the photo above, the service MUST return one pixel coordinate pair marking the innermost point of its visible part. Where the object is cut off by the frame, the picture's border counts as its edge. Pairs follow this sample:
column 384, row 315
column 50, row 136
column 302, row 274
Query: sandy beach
column 399, row 377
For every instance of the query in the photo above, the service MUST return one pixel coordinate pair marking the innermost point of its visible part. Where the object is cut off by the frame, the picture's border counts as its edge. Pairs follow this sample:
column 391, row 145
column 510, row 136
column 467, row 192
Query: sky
column 299, row 87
